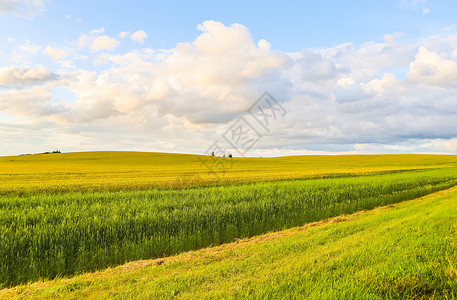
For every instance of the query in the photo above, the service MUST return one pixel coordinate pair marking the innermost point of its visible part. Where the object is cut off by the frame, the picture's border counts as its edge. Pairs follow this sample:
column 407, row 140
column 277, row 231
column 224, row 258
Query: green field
column 405, row 251
column 65, row 214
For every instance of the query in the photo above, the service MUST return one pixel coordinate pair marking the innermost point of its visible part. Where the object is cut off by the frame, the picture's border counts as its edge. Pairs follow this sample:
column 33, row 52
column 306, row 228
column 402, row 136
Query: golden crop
column 98, row 171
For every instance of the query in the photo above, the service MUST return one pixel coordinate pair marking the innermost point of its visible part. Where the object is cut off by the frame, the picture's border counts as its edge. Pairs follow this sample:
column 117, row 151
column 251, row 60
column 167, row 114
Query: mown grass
column 405, row 251
column 43, row 236
column 115, row 171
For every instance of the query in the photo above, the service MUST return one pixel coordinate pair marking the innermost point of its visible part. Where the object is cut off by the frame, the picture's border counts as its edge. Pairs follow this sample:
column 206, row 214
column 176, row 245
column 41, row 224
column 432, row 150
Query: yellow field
column 142, row 170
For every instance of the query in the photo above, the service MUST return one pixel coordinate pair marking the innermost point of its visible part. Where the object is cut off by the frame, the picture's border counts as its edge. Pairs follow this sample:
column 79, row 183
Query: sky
column 341, row 77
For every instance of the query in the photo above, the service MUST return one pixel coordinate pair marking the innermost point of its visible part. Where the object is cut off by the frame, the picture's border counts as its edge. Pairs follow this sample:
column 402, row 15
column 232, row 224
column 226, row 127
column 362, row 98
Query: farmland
column 65, row 214
column 114, row 171
column 404, row 251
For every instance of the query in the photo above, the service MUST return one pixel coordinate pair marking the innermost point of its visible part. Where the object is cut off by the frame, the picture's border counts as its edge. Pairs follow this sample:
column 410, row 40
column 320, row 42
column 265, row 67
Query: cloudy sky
column 176, row 76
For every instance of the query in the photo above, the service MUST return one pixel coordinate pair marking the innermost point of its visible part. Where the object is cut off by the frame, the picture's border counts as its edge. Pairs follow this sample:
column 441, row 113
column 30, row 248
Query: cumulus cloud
column 24, row 8
column 33, row 102
column 14, row 76
column 432, row 69
column 55, row 53
column 97, row 42
column 223, row 64
column 104, row 43
column 123, row 34
column 139, row 36
column 392, row 96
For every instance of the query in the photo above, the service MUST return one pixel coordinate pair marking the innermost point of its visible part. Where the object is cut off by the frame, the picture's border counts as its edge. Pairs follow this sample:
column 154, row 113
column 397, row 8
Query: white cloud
column 24, row 8
column 24, row 53
column 164, row 79
column 389, row 97
column 104, row 43
column 14, row 76
column 391, row 38
column 27, row 103
column 29, row 48
column 97, row 42
column 123, row 34
column 55, row 53
column 431, row 69
column 139, row 36
column 448, row 145
column 97, row 31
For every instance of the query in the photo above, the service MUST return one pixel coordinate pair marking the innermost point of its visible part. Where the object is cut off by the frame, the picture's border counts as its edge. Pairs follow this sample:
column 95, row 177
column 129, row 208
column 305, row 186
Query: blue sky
column 288, row 25
column 354, row 76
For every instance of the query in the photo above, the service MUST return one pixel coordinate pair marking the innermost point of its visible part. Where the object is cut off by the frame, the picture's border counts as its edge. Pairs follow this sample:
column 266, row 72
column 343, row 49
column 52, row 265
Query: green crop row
column 44, row 236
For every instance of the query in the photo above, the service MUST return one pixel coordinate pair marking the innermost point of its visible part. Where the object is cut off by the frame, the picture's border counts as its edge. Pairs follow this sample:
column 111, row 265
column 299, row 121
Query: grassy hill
column 112, row 171
column 403, row 251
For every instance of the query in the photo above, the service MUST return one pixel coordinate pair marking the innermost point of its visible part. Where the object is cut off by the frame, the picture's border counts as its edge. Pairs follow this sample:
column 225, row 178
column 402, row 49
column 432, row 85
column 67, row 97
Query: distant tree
column 47, row 152
column 230, row 155
column 212, row 153
column 223, row 155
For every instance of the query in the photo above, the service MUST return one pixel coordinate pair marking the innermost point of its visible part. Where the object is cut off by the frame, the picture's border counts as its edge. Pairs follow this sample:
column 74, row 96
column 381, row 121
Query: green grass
column 44, row 236
column 405, row 251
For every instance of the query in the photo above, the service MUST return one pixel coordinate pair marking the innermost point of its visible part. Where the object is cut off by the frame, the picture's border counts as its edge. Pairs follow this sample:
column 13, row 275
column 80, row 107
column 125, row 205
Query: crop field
column 65, row 214
column 114, row 171
column 403, row 251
